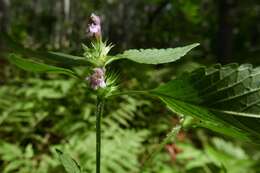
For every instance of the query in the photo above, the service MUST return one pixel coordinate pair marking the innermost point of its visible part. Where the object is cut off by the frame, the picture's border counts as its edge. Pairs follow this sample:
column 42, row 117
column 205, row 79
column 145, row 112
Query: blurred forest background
column 39, row 113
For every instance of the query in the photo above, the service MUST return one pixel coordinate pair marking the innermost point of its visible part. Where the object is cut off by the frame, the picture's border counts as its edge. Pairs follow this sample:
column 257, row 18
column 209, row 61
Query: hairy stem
column 99, row 114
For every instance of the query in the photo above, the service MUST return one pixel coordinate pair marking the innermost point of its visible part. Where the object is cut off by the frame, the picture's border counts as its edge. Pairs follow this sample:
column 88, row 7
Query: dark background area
column 228, row 30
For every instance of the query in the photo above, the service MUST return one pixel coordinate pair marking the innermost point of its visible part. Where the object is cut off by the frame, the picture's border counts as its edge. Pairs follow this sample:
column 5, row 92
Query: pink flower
column 94, row 26
column 97, row 79
column 93, row 29
column 95, row 19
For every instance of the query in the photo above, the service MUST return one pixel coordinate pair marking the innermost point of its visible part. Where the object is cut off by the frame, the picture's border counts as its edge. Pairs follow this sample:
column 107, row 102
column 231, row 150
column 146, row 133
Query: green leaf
column 156, row 56
column 69, row 164
column 12, row 46
column 33, row 66
column 225, row 99
column 230, row 157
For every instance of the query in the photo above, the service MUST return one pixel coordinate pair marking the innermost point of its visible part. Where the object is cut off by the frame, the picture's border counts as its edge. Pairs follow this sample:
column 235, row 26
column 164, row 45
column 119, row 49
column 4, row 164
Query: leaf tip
column 195, row 45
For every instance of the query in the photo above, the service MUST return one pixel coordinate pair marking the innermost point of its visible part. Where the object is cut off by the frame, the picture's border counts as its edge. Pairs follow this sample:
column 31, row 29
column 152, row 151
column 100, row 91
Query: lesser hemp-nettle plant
column 225, row 99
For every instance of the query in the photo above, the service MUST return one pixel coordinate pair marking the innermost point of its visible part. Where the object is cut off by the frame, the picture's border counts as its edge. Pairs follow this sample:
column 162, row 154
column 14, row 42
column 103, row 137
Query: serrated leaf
column 12, row 46
column 69, row 164
column 33, row 66
column 156, row 56
column 225, row 99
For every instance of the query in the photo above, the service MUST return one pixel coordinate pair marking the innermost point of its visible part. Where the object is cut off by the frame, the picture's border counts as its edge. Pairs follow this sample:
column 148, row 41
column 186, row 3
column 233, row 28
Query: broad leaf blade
column 156, row 56
column 207, row 118
column 69, row 164
column 225, row 98
column 62, row 58
column 33, row 66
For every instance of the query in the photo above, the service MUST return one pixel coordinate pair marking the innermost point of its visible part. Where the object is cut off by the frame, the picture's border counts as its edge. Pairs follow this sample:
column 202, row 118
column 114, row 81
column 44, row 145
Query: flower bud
column 97, row 79
column 94, row 27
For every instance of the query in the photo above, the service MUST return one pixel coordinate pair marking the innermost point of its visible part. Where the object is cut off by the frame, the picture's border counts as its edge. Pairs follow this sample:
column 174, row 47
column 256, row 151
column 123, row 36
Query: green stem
column 99, row 113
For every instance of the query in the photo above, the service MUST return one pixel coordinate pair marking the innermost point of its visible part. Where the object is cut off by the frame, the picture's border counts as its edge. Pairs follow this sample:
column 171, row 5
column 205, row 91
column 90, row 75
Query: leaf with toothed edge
column 155, row 56
column 225, row 99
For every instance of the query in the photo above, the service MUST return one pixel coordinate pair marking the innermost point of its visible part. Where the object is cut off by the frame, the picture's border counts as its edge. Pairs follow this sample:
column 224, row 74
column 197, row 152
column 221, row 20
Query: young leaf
column 225, row 99
column 156, row 56
column 69, row 164
column 33, row 66
column 63, row 58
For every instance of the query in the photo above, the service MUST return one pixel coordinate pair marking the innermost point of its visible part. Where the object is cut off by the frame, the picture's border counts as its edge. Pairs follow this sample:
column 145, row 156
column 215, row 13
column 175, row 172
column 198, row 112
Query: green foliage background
column 39, row 113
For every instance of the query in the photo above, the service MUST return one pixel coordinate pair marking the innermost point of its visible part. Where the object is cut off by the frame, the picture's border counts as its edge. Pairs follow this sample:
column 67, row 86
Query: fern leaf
column 68, row 163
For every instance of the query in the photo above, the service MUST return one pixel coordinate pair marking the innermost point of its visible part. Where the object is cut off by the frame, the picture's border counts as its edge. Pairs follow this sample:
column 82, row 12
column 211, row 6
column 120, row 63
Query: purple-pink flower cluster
column 97, row 79
column 94, row 26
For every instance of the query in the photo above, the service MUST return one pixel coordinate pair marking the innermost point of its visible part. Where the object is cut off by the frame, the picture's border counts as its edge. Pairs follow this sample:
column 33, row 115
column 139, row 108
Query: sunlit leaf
column 225, row 99
column 156, row 56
